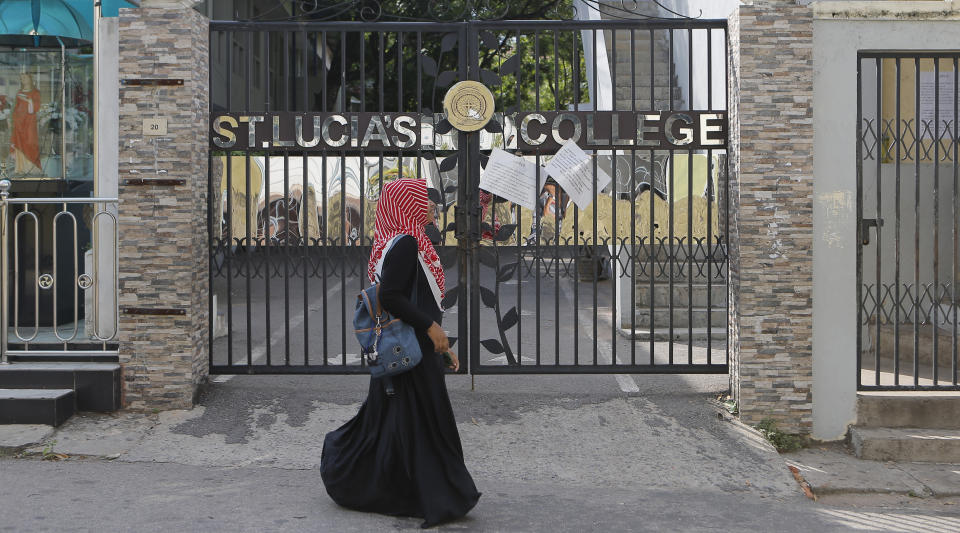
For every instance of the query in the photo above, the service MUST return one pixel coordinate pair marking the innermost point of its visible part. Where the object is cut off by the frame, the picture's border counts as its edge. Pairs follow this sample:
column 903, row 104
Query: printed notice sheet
column 510, row 177
column 573, row 170
column 929, row 105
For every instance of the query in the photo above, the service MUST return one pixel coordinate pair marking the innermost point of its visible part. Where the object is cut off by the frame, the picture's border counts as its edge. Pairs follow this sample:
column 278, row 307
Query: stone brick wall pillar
column 771, row 99
column 162, row 215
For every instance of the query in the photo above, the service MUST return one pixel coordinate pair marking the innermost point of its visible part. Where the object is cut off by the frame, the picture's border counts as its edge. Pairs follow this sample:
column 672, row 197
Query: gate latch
column 865, row 226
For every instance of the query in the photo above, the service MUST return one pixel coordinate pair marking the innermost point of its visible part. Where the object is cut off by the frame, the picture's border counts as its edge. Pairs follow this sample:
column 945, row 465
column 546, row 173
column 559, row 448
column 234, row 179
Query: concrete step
column 642, row 80
column 641, row 57
column 642, row 92
column 97, row 385
column 643, row 104
column 906, row 444
column 681, row 317
column 681, row 294
column 64, row 357
column 641, row 75
column 36, row 406
column 934, row 409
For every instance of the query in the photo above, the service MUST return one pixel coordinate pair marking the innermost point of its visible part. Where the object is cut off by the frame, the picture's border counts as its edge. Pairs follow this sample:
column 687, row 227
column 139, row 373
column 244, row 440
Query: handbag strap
column 414, row 293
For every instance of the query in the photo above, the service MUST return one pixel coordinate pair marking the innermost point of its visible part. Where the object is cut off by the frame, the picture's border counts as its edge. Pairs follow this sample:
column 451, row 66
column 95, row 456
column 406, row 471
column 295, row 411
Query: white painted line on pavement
column 625, row 381
column 260, row 351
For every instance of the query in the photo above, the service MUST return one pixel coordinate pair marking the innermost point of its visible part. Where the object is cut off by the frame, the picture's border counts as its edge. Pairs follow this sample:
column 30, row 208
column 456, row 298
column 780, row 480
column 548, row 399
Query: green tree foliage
column 544, row 70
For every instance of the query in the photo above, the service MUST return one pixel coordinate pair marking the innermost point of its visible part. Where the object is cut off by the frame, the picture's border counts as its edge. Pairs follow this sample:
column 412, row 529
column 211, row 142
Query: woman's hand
column 454, row 363
column 439, row 337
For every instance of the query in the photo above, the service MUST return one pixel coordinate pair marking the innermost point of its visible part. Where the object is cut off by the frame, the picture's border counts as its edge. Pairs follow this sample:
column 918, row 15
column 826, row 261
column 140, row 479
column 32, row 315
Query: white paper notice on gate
column 573, row 170
column 510, row 177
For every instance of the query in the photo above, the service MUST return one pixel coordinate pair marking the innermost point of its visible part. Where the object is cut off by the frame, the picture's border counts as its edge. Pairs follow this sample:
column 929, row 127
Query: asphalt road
column 548, row 453
column 145, row 497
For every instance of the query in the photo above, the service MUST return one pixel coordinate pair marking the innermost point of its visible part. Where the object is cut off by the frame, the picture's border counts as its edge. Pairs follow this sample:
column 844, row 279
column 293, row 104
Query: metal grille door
column 908, row 254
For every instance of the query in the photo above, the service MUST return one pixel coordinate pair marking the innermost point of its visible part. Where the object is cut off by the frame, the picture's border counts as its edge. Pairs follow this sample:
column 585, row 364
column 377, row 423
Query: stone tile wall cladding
column 163, row 236
column 771, row 115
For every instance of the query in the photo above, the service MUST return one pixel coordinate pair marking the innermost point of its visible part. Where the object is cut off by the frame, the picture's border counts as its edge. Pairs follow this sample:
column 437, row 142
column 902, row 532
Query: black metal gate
column 633, row 282
column 908, row 255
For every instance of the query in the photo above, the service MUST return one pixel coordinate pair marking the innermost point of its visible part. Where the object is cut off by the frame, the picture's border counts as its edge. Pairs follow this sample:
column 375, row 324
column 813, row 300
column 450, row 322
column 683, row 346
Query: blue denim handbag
column 389, row 345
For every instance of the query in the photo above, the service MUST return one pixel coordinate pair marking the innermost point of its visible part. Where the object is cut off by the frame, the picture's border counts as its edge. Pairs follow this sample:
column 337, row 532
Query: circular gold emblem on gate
column 469, row 105
column 45, row 281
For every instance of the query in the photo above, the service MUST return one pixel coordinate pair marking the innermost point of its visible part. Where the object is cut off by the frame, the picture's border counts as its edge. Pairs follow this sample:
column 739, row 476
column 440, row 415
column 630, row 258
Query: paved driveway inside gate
column 550, row 453
column 281, row 319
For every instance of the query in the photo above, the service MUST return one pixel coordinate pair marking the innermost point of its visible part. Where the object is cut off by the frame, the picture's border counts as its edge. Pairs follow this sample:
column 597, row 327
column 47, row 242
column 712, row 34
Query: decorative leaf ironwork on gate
column 489, row 257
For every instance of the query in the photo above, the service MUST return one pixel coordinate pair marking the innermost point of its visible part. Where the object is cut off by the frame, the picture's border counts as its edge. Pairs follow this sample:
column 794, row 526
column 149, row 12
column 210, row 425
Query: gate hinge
column 468, row 222
column 458, row 222
column 865, row 225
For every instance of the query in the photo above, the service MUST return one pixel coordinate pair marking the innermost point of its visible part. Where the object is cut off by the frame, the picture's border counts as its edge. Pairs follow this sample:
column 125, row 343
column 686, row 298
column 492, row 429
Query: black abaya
column 401, row 454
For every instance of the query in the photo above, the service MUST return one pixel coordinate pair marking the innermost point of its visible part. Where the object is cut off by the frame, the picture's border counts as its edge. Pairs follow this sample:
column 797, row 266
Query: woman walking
column 401, row 454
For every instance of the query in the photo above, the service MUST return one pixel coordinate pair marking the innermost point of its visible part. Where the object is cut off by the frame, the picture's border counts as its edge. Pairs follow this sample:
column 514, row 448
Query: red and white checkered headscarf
column 402, row 210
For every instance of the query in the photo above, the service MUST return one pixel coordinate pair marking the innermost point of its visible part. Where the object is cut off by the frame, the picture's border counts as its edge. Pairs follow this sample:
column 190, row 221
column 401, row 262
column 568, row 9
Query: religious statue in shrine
column 25, row 136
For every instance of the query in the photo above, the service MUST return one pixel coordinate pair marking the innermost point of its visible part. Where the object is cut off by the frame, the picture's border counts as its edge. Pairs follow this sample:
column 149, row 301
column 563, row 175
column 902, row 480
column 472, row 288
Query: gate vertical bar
column 711, row 195
column 936, row 214
column 726, row 197
column 956, row 246
column 613, row 246
column 267, row 266
column 323, row 222
column 916, row 224
column 228, row 163
column 576, row 220
column 211, row 311
column 343, row 206
column 267, row 223
column 288, row 56
column 632, row 254
column 539, row 212
column 246, row 213
column 652, row 248
column 896, row 275
column 595, row 255
column 690, row 258
column 519, row 210
column 469, row 165
column 671, row 198
column 4, row 267
column 305, row 217
column 305, row 245
column 556, row 211
column 860, row 242
column 879, row 280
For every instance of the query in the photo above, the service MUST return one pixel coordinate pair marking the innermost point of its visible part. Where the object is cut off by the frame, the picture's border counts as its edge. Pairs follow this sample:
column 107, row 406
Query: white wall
column 601, row 90
column 912, row 210
column 107, row 178
column 836, row 43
